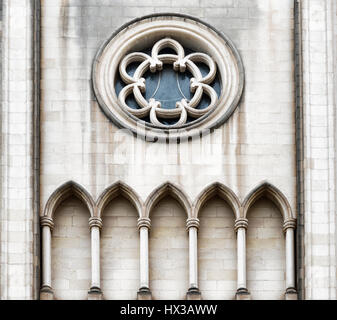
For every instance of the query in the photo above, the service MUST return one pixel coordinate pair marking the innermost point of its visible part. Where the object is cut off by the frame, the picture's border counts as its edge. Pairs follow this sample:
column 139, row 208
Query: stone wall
column 217, row 251
column 168, row 246
column 257, row 144
column 16, row 193
column 1, row 45
column 319, row 129
column 71, row 256
column 80, row 143
column 265, row 252
column 120, row 251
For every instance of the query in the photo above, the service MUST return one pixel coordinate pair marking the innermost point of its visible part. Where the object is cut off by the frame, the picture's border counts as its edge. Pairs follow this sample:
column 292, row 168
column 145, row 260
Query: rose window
column 166, row 86
column 168, row 76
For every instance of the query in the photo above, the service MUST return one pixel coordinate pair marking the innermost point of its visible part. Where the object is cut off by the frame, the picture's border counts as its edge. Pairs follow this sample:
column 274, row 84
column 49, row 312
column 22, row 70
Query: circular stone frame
column 190, row 32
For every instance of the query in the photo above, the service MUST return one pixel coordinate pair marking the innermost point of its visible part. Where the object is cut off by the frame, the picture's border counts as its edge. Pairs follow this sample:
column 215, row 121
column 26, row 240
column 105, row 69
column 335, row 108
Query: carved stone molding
column 290, row 223
column 192, row 222
column 95, row 293
column 242, row 294
column 241, row 223
column 144, row 294
column 193, row 294
column 95, row 222
column 46, row 293
column 47, row 222
column 144, row 222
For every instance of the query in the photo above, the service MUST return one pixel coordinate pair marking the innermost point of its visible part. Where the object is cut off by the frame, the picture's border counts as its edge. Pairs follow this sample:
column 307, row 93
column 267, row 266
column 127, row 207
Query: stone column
column 317, row 151
column 144, row 226
column 18, row 274
column 241, row 226
column 289, row 230
column 192, row 226
column 47, row 225
column 95, row 292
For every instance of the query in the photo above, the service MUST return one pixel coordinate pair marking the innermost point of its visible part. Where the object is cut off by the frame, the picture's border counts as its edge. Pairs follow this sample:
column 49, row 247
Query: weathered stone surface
column 71, row 251
column 120, row 251
column 168, row 245
column 265, row 252
column 255, row 145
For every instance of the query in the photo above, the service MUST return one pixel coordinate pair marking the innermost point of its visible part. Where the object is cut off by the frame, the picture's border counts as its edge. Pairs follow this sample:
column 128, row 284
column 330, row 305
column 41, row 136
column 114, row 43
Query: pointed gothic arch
column 274, row 194
column 163, row 190
column 221, row 190
column 116, row 189
column 65, row 191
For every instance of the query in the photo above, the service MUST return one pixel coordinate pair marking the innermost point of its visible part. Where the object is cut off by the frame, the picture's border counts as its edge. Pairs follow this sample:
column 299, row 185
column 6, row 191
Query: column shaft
column 241, row 258
column 290, row 259
column 192, row 225
column 95, row 224
column 46, row 256
column 193, row 256
column 144, row 293
column 95, row 258
column 241, row 225
column 144, row 257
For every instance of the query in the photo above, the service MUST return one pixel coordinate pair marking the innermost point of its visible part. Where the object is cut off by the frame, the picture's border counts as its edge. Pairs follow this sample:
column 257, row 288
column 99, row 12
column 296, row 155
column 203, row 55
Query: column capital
column 47, row 222
column 289, row 224
column 241, row 223
column 192, row 223
column 144, row 223
column 95, row 222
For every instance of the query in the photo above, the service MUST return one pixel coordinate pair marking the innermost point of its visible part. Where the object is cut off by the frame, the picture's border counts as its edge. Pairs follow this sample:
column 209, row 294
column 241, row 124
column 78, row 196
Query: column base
column 193, row 294
column 95, row 293
column 291, row 294
column 242, row 294
column 144, row 294
column 46, row 293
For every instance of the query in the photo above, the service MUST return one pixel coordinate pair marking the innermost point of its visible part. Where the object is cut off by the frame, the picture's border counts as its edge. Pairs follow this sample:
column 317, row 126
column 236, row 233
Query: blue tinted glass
column 168, row 87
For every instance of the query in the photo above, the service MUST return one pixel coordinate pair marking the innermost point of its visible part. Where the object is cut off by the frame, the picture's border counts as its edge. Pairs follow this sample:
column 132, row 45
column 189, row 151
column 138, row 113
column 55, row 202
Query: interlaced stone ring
column 199, row 84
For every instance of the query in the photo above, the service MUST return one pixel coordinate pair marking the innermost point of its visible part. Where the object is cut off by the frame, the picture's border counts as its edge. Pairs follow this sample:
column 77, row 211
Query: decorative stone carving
column 144, row 222
column 192, row 222
column 95, row 222
column 47, row 222
column 290, row 223
column 241, row 223
column 208, row 46
column 199, row 84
